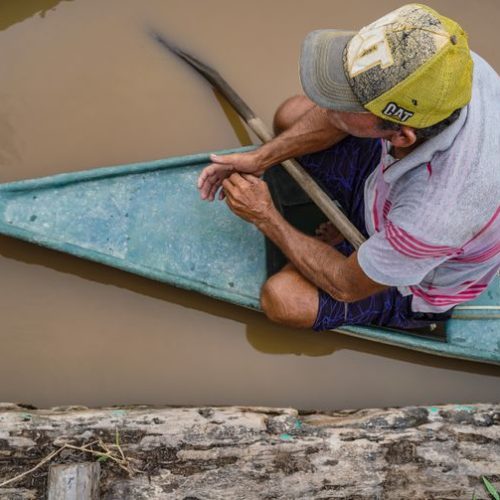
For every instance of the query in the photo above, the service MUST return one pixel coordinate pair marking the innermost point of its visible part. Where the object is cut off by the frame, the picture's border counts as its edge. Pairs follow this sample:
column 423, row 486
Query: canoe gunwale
column 423, row 345
column 63, row 179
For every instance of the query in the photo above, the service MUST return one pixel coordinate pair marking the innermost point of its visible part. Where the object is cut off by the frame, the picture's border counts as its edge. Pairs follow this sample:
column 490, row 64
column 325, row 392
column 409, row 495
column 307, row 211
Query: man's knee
column 289, row 299
column 272, row 302
column 290, row 111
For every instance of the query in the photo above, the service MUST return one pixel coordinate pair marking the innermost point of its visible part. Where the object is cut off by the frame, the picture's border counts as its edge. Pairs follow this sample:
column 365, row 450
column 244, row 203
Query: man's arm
column 340, row 276
column 312, row 132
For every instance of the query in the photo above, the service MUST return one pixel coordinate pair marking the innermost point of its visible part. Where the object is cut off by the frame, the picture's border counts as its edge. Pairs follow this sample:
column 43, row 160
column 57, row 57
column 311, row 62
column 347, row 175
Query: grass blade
column 491, row 489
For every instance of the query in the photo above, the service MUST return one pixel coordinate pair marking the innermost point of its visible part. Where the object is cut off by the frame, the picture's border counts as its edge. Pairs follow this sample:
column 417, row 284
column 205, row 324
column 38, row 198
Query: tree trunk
column 260, row 453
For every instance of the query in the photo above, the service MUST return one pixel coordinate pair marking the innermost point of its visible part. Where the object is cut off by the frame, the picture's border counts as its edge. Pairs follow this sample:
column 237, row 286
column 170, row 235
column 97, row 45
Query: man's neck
column 400, row 153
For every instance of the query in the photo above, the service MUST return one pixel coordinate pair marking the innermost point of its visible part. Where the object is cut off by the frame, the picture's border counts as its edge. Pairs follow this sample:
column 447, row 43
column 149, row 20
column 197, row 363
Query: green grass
column 490, row 489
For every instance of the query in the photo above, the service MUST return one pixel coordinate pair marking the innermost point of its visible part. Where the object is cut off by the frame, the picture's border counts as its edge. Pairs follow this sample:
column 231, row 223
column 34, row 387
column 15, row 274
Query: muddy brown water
column 82, row 85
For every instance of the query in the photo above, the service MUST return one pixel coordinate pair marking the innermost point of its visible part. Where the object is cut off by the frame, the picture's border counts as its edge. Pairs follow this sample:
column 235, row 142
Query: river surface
column 81, row 86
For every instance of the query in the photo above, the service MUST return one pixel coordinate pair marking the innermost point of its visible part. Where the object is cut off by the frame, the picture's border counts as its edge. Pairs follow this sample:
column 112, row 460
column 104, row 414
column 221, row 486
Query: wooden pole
column 74, row 481
column 292, row 166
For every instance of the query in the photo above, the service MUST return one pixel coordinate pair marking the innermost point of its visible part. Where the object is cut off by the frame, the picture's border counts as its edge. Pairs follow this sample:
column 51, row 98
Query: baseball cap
column 413, row 66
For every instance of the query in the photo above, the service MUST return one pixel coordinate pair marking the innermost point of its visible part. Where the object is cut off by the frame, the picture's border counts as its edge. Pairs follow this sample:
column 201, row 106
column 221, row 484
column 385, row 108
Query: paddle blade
column 210, row 74
column 206, row 71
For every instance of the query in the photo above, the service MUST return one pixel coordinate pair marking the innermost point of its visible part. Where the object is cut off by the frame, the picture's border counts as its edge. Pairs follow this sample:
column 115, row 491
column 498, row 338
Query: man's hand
column 311, row 130
column 328, row 233
column 325, row 267
column 248, row 197
column 211, row 177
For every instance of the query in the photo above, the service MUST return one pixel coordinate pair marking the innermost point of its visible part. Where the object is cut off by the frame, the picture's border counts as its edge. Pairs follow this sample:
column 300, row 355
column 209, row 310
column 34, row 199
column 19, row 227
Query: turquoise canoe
column 148, row 219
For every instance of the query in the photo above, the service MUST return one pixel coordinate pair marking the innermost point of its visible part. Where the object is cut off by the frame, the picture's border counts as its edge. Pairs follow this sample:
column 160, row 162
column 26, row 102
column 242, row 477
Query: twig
column 117, row 442
column 92, row 443
column 121, row 460
column 123, row 464
column 49, row 457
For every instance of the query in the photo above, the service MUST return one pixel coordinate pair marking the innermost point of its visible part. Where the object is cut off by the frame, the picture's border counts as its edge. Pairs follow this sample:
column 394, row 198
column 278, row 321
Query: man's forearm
column 317, row 261
column 342, row 277
column 312, row 132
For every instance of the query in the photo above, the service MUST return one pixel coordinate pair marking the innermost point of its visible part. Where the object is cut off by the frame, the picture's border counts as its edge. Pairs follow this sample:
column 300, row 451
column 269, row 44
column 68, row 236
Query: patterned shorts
column 342, row 171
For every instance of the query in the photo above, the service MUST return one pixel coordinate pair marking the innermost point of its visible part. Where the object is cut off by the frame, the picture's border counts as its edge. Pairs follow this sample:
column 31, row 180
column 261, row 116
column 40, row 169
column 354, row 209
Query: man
column 401, row 126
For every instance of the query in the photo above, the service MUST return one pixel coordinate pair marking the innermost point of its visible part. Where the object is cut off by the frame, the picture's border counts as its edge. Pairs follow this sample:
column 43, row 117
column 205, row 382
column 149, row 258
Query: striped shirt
column 434, row 216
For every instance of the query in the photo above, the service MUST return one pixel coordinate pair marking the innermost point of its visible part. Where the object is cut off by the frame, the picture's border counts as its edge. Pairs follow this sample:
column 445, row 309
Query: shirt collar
column 424, row 153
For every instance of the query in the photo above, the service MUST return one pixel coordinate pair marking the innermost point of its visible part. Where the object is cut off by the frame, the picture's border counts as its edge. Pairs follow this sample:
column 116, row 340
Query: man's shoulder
column 482, row 68
column 485, row 91
column 455, row 191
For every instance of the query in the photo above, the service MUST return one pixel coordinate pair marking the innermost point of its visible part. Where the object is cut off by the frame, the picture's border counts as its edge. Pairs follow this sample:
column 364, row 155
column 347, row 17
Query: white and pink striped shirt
column 434, row 216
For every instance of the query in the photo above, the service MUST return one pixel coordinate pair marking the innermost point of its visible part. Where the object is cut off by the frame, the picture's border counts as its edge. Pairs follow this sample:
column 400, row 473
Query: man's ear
column 403, row 137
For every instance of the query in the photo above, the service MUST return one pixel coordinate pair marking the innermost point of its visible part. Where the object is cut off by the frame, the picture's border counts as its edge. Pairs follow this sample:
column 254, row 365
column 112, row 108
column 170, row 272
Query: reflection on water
column 235, row 121
column 12, row 12
column 84, row 86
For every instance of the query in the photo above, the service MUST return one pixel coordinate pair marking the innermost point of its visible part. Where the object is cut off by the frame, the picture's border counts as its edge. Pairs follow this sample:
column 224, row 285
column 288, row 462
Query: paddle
column 292, row 166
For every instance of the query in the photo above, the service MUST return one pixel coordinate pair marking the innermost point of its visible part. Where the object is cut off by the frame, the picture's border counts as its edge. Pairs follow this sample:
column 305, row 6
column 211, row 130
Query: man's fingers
column 201, row 179
column 222, row 160
column 211, row 192
column 237, row 179
column 218, row 159
column 205, row 190
column 217, row 174
column 251, row 178
column 203, row 193
column 213, row 171
column 208, row 186
column 229, row 188
column 215, row 187
column 205, row 174
column 224, row 166
column 323, row 227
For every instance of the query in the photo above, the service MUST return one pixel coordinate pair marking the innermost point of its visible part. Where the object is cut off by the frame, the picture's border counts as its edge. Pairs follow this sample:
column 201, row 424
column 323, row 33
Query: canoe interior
column 148, row 219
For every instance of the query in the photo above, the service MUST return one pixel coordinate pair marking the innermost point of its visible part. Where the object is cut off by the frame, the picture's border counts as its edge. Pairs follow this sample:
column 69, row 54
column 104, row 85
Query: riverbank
column 251, row 452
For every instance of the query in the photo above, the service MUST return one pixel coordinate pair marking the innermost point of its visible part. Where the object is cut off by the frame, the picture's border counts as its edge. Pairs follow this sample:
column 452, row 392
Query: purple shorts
column 342, row 171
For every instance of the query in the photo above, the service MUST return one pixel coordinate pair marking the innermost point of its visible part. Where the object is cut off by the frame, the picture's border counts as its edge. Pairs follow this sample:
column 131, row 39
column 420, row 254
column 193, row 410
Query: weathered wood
column 74, row 481
column 262, row 453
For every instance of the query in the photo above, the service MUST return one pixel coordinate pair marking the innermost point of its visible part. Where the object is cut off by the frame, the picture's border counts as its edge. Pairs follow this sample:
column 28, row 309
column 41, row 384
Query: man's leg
column 288, row 298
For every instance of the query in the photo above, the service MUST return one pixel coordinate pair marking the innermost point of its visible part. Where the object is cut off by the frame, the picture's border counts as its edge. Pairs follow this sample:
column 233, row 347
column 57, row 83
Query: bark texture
column 262, row 453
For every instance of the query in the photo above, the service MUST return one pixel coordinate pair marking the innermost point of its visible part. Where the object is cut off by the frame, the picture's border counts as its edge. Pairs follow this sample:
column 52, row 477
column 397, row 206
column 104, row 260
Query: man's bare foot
column 328, row 233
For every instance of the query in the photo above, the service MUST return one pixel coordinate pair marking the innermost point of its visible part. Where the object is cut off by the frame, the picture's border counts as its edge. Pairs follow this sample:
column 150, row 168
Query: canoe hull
column 148, row 219
column 144, row 218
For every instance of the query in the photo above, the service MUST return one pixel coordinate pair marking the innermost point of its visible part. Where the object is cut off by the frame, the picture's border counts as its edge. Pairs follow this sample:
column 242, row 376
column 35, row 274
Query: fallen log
column 261, row 453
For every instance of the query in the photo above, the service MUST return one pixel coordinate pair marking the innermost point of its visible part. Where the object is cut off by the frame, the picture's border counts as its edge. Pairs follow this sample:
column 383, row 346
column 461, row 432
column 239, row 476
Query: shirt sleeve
column 393, row 257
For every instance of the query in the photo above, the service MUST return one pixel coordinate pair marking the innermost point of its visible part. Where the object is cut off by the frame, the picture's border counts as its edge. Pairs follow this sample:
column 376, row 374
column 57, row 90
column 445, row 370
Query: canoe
column 147, row 219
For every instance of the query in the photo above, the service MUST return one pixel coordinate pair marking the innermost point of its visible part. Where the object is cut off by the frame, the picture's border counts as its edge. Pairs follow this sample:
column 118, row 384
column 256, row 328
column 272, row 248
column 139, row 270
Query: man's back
column 434, row 215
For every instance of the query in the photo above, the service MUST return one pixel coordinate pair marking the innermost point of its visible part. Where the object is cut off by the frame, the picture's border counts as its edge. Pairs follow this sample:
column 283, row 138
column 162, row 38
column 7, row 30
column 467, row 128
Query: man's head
column 412, row 68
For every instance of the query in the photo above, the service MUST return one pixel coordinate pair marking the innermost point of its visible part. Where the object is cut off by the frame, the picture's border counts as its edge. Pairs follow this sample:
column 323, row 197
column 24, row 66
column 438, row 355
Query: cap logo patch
column 395, row 111
column 370, row 47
